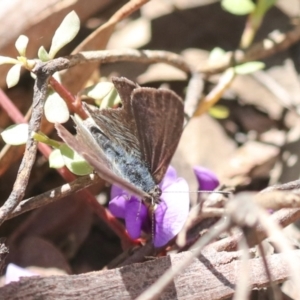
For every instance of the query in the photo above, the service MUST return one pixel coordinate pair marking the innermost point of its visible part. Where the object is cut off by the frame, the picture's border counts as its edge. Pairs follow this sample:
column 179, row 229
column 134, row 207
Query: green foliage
column 56, row 160
column 74, row 162
column 21, row 44
column 16, row 134
column 238, row 7
column 56, row 109
column 219, row 112
column 43, row 54
column 104, row 94
column 216, row 54
column 8, row 60
column 65, row 33
column 249, row 67
column 263, row 6
column 13, row 75
column 63, row 155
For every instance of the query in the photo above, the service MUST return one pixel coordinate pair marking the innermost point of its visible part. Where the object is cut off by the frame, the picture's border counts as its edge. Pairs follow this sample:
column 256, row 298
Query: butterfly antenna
column 152, row 222
column 227, row 193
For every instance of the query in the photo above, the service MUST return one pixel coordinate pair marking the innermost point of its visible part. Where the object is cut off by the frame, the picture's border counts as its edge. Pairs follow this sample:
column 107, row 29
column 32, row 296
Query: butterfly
column 131, row 146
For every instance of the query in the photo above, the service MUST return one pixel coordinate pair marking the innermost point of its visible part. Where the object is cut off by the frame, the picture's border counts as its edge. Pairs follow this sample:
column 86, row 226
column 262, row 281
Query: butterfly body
column 125, row 164
column 131, row 146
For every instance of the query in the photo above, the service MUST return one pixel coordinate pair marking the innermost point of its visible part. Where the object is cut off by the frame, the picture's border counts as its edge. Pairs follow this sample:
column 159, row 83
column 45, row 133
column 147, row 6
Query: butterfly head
column 154, row 196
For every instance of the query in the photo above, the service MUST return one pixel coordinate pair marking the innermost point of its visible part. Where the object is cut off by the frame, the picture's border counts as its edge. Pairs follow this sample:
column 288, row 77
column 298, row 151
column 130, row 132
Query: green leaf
column 8, row 60
column 99, row 90
column 216, row 54
column 16, row 134
column 238, row 7
column 219, row 112
column 21, row 44
column 111, row 99
column 65, row 33
column 104, row 94
column 56, row 109
column 13, row 75
column 249, row 67
column 43, row 54
column 41, row 137
column 74, row 162
column 56, row 160
column 263, row 6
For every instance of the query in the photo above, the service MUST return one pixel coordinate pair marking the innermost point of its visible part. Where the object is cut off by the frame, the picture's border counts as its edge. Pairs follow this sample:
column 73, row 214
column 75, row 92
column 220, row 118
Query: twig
column 276, row 42
column 278, row 199
column 274, row 288
column 54, row 194
column 216, row 93
column 283, row 217
column 117, row 55
column 282, row 244
column 154, row 291
column 292, row 185
column 243, row 287
column 40, row 92
column 68, row 97
column 193, row 94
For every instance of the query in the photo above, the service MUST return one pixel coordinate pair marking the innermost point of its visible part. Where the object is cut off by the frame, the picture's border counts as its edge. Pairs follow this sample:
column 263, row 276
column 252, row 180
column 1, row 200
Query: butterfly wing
column 159, row 118
column 86, row 146
column 118, row 124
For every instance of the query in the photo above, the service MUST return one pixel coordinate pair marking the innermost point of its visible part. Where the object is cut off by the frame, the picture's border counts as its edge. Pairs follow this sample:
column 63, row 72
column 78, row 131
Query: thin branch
column 283, row 217
column 161, row 284
column 118, row 55
column 275, row 42
column 40, row 93
column 274, row 292
column 283, row 245
column 55, row 194
column 68, row 97
column 292, row 185
column 243, row 287
column 278, row 199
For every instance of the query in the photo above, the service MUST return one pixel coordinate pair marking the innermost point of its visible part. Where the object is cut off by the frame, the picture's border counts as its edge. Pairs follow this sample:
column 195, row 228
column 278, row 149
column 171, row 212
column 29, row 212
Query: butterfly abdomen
column 124, row 164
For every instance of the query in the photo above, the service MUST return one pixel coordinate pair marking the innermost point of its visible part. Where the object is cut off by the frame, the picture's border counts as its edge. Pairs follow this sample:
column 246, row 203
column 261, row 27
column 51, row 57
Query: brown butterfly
column 131, row 146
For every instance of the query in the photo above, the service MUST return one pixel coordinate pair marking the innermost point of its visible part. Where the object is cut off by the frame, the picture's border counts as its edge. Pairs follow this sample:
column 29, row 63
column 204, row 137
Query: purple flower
column 169, row 215
column 207, row 180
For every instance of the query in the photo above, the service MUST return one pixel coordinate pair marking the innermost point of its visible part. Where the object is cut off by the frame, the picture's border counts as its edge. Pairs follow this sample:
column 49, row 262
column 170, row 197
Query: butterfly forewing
column 85, row 145
column 159, row 120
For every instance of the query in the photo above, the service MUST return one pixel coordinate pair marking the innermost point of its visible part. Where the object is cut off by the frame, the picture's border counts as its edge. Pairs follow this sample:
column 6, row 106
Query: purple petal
column 136, row 214
column 207, row 179
column 116, row 191
column 169, row 178
column 171, row 213
column 117, row 206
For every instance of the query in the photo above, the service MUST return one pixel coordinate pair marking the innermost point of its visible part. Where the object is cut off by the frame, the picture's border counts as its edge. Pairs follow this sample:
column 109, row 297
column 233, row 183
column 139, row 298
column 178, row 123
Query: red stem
column 73, row 105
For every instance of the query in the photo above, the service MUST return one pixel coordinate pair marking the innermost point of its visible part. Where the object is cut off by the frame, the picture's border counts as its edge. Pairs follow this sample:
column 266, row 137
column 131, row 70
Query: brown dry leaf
column 252, row 160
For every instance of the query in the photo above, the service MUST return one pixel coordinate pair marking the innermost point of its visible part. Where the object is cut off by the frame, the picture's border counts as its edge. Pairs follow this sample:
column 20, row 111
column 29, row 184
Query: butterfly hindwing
column 159, row 118
column 85, row 145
